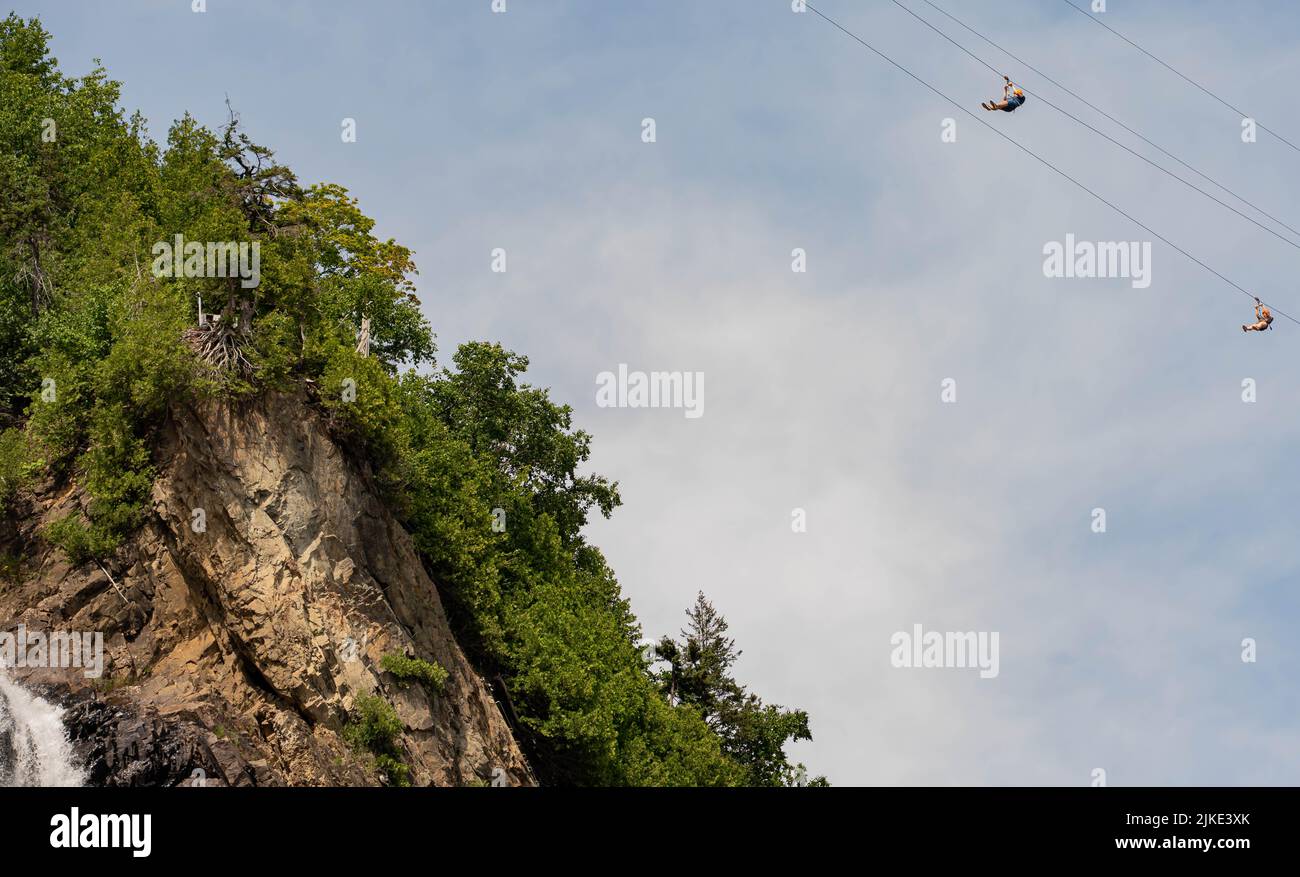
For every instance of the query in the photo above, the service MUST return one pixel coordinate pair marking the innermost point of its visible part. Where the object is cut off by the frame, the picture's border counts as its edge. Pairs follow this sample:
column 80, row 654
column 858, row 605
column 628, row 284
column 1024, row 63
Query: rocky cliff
column 243, row 622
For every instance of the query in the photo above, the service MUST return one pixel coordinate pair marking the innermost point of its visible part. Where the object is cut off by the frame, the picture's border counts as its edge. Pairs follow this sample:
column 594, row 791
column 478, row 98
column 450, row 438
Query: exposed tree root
column 221, row 346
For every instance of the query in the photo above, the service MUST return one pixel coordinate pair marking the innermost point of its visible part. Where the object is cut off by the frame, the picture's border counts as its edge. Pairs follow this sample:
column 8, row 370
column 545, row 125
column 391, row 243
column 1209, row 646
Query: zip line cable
column 1042, row 160
column 1098, row 109
column 1100, row 133
column 1240, row 112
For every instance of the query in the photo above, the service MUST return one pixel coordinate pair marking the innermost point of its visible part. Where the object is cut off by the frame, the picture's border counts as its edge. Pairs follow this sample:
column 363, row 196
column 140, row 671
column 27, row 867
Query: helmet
column 1018, row 92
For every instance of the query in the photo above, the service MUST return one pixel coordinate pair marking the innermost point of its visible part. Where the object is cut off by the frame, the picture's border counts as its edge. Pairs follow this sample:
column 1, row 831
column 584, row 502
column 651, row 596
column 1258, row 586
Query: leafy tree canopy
column 487, row 472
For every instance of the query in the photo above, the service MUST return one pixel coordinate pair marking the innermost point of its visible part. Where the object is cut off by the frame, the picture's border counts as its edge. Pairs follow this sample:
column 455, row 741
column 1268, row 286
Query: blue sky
column 522, row 130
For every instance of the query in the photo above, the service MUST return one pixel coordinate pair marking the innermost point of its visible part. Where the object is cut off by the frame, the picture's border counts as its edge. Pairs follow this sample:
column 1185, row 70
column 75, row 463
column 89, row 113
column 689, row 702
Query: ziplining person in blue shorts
column 1013, row 96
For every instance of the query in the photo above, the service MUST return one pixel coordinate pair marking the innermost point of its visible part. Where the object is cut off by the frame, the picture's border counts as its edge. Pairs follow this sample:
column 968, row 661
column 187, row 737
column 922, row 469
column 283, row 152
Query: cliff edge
column 244, row 621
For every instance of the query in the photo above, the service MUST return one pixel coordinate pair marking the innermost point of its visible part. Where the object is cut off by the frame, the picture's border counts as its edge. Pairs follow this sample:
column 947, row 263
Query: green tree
column 487, row 473
column 699, row 675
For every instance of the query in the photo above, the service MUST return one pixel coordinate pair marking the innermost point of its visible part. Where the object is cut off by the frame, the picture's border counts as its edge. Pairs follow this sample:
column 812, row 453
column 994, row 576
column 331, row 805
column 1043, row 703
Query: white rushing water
column 34, row 747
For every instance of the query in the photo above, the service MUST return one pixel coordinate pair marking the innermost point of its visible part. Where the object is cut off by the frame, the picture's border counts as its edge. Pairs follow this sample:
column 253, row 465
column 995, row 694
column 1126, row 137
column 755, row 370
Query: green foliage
column 533, row 603
column 93, row 349
column 275, row 352
column 393, row 770
column 376, row 728
column 375, row 725
column 16, row 346
column 360, row 397
column 96, row 353
column 17, row 467
column 407, row 669
column 81, row 541
column 753, row 734
column 68, row 158
column 529, row 438
column 361, row 276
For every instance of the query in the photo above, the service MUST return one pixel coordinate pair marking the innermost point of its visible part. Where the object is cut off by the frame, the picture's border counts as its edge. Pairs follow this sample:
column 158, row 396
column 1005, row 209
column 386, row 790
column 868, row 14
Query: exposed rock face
column 243, row 621
column 119, row 747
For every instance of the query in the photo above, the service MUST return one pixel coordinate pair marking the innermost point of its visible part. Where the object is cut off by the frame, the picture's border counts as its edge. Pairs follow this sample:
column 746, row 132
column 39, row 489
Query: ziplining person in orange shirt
column 1263, row 317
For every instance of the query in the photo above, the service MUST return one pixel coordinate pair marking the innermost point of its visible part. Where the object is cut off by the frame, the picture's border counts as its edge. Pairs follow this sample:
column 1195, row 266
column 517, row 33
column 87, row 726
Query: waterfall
column 34, row 747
